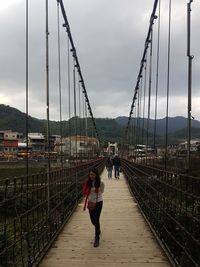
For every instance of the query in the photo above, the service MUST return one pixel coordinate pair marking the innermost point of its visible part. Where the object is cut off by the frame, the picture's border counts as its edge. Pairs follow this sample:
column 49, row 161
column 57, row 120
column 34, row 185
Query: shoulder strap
column 97, row 195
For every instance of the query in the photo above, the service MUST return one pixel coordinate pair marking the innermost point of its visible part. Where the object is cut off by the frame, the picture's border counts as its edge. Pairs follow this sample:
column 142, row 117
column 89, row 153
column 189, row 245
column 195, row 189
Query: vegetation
column 110, row 130
column 18, row 171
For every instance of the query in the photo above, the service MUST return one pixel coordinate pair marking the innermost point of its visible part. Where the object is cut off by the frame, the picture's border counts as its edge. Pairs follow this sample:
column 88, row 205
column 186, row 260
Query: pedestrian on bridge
column 109, row 167
column 93, row 189
column 117, row 165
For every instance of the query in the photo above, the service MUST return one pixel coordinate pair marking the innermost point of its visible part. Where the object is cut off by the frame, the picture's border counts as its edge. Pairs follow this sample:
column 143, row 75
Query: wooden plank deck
column 126, row 239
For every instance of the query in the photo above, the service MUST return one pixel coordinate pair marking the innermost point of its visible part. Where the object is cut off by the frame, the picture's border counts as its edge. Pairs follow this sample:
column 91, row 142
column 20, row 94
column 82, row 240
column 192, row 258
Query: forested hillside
column 110, row 130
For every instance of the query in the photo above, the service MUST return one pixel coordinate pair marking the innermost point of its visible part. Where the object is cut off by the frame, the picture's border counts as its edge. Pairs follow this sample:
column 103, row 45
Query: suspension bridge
column 151, row 215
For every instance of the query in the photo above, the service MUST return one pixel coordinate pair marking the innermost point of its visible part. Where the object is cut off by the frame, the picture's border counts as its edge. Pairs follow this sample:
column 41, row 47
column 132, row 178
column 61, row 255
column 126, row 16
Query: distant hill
column 110, row 130
column 174, row 124
column 15, row 120
column 182, row 134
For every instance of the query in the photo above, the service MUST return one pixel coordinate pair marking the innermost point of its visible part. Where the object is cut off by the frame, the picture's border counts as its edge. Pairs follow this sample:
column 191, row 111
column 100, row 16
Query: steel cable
column 168, row 81
column 144, row 101
column 27, row 83
column 157, row 74
column 149, row 92
column 73, row 49
column 69, row 97
column 59, row 83
column 152, row 18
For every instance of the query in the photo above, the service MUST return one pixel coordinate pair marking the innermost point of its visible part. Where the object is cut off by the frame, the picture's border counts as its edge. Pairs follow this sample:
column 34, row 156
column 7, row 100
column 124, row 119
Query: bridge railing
column 33, row 212
column 171, row 204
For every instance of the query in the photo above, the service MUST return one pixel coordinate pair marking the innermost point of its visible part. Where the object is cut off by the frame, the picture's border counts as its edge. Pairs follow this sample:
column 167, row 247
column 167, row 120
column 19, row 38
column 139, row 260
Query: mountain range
column 174, row 124
column 108, row 129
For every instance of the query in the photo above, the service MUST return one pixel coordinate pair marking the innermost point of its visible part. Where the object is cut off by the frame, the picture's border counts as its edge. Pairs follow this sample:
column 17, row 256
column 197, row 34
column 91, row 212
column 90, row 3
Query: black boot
column 96, row 242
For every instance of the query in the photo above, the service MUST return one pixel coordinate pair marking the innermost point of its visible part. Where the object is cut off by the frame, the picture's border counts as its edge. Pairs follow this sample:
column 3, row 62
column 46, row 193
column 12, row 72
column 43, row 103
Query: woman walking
column 93, row 189
column 109, row 167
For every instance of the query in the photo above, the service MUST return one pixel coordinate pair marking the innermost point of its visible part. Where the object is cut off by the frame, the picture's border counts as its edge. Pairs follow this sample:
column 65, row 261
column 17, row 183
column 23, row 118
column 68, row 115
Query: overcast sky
column 109, row 38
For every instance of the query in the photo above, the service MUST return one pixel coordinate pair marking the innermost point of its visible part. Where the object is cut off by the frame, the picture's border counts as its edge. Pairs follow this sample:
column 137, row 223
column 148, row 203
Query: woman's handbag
column 91, row 205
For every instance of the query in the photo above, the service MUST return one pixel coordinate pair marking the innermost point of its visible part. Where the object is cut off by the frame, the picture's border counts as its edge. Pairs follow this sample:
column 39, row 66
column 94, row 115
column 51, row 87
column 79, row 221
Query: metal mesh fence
column 30, row 218
column 171, row 203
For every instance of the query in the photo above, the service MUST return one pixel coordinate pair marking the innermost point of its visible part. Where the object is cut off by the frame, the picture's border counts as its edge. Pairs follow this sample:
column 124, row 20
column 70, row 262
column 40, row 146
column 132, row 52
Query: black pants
column 95, row 216
column 117, row 171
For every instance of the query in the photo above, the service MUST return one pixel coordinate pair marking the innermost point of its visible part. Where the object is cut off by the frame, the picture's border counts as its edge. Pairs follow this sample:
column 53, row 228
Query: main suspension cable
column 73, row 49
column 152, row 18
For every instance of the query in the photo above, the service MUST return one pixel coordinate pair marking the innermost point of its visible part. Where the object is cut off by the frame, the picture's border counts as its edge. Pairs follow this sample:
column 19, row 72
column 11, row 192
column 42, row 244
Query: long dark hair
column 97, row 178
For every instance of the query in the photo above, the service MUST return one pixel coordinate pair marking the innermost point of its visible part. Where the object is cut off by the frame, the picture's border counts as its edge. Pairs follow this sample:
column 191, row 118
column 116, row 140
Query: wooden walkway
column 126, row 239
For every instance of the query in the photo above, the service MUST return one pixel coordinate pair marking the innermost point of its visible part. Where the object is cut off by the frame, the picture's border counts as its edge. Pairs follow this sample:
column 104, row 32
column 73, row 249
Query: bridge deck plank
column 126, row 238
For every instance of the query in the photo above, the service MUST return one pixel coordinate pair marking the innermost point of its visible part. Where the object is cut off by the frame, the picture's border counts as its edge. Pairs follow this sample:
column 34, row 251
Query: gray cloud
column 109, row 38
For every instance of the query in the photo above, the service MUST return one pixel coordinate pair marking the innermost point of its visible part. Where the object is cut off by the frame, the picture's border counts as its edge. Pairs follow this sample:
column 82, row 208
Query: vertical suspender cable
column 132, row 140
column 27, row 111
column 75, row 126
column 129, row 140
column 27, row 218
column 79, row 107
column 47, row 106
column 131, row 131
column 138, row 111
column 27, row 85
column 80, row 128
column 135, row 123
column 83, row 107
column 69, row 101
column 134, row 129
column 157, row 75
column 75, row 115
column 144, row 101
column 168, row 80
column 59, row 84
column 149, row 97
column 80, row 115
column 190, row 58
column 86, row 129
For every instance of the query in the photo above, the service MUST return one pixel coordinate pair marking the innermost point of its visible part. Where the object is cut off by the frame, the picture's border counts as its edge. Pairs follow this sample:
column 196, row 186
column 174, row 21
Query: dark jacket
column 116, row 161
column 109, row 163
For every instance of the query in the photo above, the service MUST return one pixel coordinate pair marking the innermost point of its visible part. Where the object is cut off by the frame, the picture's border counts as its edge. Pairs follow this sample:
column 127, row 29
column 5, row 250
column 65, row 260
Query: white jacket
column 94, row 196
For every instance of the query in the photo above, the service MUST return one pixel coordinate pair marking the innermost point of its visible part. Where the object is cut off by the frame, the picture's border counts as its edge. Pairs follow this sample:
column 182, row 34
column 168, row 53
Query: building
column 78, row 146
column 112, row 149
column 194, row 146
column 1, row 141
column 36, row 142
column 9, row 141
column 54, row 140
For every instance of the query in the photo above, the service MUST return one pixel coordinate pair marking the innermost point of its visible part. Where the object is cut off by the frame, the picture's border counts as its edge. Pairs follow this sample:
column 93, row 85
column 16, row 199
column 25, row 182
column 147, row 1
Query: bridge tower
column 112, row 148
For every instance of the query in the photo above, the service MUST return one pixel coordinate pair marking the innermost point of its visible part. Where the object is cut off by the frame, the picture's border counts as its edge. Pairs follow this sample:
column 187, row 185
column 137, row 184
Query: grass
column 19, row 171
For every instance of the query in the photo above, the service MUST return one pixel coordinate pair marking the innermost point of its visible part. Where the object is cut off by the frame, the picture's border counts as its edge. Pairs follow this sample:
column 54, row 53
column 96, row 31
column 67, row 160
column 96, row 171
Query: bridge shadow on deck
column 126, row 239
